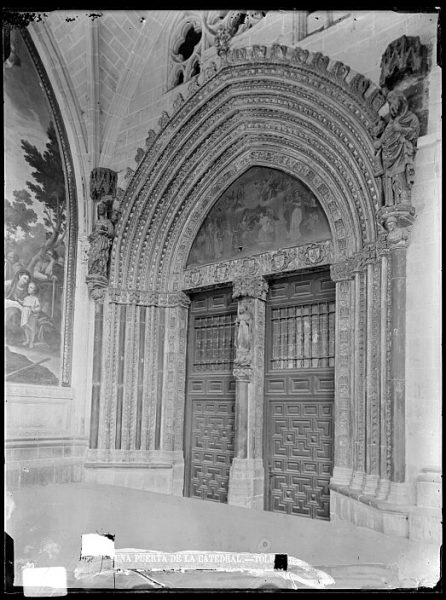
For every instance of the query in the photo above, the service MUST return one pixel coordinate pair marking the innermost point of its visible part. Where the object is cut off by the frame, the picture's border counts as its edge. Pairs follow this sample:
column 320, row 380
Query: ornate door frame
column 296, row 111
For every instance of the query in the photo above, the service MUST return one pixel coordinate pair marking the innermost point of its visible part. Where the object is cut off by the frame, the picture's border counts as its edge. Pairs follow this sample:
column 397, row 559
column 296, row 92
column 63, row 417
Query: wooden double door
column 299, row 394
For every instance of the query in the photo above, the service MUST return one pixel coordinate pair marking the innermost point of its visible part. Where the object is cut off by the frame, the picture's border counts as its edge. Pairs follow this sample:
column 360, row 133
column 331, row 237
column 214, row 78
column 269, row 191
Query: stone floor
column 47, row 522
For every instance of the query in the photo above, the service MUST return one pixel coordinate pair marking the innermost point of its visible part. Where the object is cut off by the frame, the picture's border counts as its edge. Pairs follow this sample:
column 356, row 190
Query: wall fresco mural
column 264, row 209
column 35, row 225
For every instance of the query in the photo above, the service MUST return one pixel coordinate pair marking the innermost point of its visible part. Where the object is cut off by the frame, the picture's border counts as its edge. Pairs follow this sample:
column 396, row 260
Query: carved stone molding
column 267, row 263
column 253, row 287
column 148, row 297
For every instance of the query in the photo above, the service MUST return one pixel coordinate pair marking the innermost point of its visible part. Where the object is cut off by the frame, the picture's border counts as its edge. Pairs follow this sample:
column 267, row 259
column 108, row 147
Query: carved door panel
column 210, row 401
column 299, row 394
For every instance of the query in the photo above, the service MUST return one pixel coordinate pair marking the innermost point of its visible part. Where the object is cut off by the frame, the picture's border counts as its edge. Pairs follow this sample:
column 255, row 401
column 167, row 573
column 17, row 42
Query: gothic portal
column 247, row 349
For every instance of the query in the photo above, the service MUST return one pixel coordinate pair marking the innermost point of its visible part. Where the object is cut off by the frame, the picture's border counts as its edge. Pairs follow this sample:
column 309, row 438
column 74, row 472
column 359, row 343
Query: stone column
column 359, row 431
column 385, row 422
column 372, row 370
column 342, row 274
column 140, row 429
column 97, row 372
column 397, row 220
column 246, row 477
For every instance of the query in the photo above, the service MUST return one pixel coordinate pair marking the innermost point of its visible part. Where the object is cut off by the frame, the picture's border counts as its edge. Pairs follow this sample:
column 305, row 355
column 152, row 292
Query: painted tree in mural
column 38, row 236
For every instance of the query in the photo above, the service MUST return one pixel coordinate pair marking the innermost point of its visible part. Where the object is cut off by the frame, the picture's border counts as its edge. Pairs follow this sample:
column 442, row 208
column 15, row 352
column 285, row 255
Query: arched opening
column 263, row 213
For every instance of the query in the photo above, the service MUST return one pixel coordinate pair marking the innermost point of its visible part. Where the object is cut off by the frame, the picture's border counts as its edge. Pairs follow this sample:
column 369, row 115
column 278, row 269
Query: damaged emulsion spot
column 103, row 566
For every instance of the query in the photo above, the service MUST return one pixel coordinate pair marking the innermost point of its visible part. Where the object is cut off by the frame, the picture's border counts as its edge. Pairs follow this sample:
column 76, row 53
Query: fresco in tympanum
column 264, row 209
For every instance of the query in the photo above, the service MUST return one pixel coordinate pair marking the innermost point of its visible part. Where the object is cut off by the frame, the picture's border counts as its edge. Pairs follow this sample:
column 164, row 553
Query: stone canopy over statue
column 395, row 146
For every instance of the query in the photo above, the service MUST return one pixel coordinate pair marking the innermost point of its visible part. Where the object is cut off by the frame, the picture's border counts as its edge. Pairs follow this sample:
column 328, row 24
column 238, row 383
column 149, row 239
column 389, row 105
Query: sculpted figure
column 243, row 342
column 395, row 151
column 396, row 236
column 222, row 39
column 100, row 243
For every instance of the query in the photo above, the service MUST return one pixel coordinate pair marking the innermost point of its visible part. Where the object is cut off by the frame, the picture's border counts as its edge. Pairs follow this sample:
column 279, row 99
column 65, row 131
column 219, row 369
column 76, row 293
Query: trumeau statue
column 244, row 334
column 395, row 147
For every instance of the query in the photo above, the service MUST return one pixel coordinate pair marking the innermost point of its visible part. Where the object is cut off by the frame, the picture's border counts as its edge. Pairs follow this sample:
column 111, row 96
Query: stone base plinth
column 160, row 472
column 358, row 480
column 371, row 485
column 363, row 511
column 428, row 488
column 342, row 476
column 246, row 480
column 425, row 525
column 425, row 520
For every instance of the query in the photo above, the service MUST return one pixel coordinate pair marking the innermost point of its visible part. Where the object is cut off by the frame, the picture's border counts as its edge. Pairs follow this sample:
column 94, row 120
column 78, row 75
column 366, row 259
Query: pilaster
column 342, row 274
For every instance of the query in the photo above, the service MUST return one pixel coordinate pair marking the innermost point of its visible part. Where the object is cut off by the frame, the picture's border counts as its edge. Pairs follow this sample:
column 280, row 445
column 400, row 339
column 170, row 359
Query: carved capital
column 242, row 373
column 342, row 271
column 254, row 287
column 182, row 299
column 96, row 287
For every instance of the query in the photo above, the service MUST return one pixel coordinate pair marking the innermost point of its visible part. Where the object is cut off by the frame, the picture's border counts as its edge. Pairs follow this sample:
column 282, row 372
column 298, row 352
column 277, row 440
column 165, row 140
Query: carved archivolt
column 308, row 116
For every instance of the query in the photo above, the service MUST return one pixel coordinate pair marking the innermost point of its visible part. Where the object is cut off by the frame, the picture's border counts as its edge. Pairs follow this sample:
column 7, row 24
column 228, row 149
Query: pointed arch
column 279, row 107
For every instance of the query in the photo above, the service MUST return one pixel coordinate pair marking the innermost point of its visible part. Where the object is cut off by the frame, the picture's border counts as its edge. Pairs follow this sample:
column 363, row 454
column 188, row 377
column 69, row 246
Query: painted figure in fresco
column 395, row 151
column 42, row 266
column 30, row 312
column 267, row 229
column 12, row 265
column 17, row 288
column 296, row 220
column 243, row 343
column 15, row 292
column 100, row 243
column 47, row 271
column 20, row 296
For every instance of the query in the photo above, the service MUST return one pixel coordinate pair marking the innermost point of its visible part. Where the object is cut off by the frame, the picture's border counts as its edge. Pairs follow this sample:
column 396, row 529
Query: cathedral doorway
column 210, row 395
column 299, row 394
